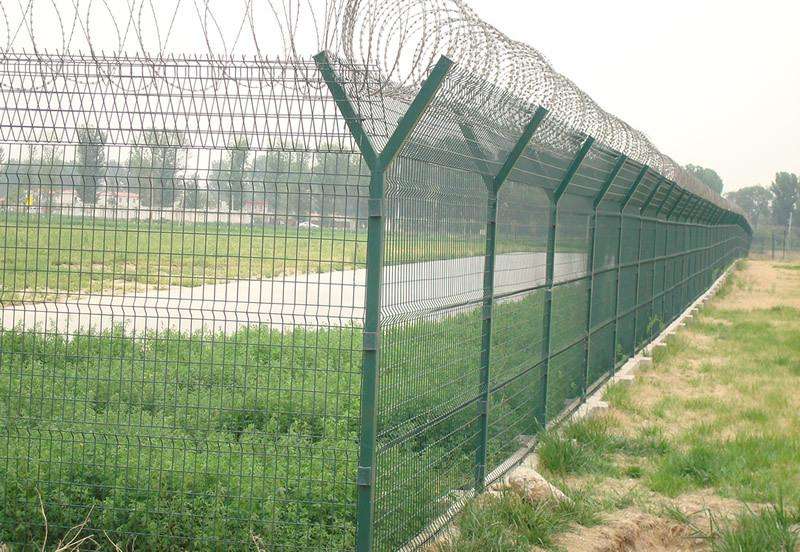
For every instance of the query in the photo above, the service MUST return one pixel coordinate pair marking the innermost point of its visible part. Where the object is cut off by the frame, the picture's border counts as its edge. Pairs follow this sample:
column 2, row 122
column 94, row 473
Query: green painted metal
column 652, row 195
column 415, row 111
column 547, row 329
column 486, row 338
column 694, row 213
column 666, row 199
column 409, row 370
column 664, row 310
column 667, row 217
column 351, row 118
column 699, row 215
column 573, row 169
column 635, row 186
column 637, row 284
column 366, row 474
column 618, row 283
column 637, row 281
column 519, row 147
column 493, row 186
column 596, row 201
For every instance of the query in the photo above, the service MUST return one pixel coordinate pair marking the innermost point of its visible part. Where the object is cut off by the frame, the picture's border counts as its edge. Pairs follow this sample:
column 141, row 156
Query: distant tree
column 276, row 178
column 192, row 196
column 238, row 155
column 154, row 168
column 116, row 177
column 337, row 183
column 755, row 200
column 34, row 176
column 709, row 177
column 785, row 195
column 232, row 175
column 90, row 163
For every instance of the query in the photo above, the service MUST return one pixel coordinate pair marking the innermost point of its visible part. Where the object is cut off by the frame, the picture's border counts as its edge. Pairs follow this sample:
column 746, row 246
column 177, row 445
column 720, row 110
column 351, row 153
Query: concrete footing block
column 592, row 407
column 653, row 347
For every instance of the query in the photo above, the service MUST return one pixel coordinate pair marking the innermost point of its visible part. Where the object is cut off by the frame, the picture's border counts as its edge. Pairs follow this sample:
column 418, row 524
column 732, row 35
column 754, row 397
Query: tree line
column 158, row 171
column 775, row 204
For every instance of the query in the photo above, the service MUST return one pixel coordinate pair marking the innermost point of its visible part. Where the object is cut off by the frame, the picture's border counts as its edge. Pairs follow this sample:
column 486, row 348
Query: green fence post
column 712, row 236
column 654, row 261
column 685, row 246
column 625, row 202
column 669, row 218
column 493, row 186
column 642, row 209
column 712, row 233
column 694, row 205
column 377, row 163
column 699, row 276
column 598, row 199
column 555, row 197
column 698, row 216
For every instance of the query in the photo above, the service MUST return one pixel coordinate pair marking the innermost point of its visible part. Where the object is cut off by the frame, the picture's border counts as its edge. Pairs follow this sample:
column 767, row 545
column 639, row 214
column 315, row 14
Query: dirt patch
column 631, row 530
column 697, row 505
column 757, row 285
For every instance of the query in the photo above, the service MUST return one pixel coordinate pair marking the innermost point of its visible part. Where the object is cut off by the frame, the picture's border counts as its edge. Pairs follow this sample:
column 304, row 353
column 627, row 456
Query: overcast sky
column 711, row 82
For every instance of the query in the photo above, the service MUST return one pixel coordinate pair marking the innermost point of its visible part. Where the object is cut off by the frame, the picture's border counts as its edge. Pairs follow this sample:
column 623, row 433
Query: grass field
column 44, row 257
column 171, row 441
column 699, row 453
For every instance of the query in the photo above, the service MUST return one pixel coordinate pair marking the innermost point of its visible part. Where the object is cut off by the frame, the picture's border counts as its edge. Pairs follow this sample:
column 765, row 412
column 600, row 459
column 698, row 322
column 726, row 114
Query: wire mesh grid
column 183, row 254
column 188, row 251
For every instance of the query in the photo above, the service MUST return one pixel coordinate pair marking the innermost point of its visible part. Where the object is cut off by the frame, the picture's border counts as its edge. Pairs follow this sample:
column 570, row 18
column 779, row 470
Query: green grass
column 173, row 442
column 42, row 257
column 511, row 523
column 47, row 256
column 743, row 444
column 776, row 528
column 588, row 446
column 755, row 464
column 183, row 441
column 747, row 467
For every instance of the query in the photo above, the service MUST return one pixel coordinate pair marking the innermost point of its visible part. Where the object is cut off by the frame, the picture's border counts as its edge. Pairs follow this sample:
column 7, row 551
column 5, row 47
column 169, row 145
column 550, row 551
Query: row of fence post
column 378, row 162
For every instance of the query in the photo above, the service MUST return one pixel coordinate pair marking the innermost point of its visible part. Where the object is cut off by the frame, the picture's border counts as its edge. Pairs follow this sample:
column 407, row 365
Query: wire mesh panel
column 182, row 288
column 601, row 357
column 644, row 292
column 516, row 392
column 289, row 305
column 431, row 336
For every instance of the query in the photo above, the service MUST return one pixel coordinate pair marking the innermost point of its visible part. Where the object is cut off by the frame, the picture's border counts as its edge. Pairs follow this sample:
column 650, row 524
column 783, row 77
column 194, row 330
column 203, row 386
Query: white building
column 118, row 198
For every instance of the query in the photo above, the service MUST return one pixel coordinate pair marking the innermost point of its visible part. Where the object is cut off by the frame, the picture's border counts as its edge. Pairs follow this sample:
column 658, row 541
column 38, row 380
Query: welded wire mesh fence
column 776, row 242
column 280, row 305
